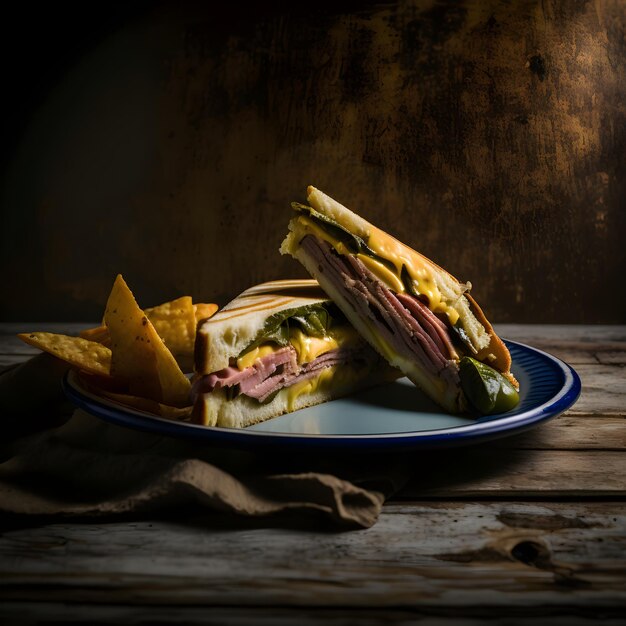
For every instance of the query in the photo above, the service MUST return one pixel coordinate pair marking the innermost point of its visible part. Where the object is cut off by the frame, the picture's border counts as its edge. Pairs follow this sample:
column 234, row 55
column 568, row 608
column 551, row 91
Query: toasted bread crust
column 496, row 347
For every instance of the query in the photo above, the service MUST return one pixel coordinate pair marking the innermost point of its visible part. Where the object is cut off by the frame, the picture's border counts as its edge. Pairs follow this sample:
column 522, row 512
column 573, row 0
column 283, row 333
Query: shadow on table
column 428, row 475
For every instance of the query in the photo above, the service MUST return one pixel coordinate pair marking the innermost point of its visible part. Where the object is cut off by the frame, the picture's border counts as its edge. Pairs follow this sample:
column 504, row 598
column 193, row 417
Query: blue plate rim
column 496, row 426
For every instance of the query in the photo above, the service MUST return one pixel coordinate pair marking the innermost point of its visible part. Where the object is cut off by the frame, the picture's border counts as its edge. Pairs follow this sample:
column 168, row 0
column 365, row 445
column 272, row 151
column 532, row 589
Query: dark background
column 166, row 140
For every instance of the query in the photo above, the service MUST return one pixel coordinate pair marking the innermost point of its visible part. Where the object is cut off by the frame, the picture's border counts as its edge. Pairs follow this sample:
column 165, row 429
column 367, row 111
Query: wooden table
column 525, row 527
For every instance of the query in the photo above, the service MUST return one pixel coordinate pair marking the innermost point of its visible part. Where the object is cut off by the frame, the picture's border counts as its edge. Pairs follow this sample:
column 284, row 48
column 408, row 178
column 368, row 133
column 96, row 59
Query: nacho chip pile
column 134, row 357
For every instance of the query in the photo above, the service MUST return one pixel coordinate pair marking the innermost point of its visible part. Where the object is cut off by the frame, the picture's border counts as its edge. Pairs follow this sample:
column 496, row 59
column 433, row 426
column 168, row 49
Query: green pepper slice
column 353, row 243
column 314, row 320
column 486, row 389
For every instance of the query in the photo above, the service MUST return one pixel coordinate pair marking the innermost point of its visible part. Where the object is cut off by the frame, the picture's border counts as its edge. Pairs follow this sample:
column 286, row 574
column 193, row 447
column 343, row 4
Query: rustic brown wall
column 489, row 135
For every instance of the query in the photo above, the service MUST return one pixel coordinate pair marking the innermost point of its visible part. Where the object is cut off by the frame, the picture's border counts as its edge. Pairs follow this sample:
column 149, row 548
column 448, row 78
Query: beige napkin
column 88, row 468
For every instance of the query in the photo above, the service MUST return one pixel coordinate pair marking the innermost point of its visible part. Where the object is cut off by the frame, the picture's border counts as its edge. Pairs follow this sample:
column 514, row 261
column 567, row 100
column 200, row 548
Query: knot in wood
column 531, row 553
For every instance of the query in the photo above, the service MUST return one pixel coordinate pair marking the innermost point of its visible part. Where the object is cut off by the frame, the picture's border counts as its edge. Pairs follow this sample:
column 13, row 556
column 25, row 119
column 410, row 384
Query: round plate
column 391, row 416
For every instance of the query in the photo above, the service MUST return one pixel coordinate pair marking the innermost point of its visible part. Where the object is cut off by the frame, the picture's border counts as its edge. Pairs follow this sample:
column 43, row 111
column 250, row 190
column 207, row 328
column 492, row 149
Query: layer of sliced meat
column 351, row 283
column 309, row 370
column 400, row 319
column 436, row 328
column 276, row 371
column 336, row 269
column 283, row 360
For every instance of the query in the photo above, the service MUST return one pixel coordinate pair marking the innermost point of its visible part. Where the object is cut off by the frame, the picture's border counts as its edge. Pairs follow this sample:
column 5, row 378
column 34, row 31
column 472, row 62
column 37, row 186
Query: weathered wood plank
column 601, row 348
column 571, row 432
column 563, row 333
column 612, row 357
column 482, row 471
column 11, row 345
column 573, row 344
column 8, row 360
column 603, row 390
column 10, row 329
column 47, row 613
column 576, row 353
column 418, row 555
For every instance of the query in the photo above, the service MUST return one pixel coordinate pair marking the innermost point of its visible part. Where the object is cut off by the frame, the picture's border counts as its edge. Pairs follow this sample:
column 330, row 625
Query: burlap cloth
column 62, row 462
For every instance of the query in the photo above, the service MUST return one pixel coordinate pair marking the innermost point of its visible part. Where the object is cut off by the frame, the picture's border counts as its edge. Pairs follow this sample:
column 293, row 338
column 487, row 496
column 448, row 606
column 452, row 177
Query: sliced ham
column 420, row 342
column 437, row 329
column 284, row 359
column 355, row 292
column 402, row 320
column 309, row 370
column 276, row 371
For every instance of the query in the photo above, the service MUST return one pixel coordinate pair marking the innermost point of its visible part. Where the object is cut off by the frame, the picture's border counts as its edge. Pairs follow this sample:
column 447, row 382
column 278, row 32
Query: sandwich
column 278, row 347
column 412, row 312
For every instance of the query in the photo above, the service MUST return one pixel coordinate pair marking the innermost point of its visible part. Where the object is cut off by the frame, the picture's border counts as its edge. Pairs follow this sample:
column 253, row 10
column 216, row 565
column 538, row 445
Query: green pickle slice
column 486, row 389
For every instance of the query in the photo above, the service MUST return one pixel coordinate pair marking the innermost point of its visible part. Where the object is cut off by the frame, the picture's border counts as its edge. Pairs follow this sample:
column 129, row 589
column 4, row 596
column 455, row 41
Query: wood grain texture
column 47, row 613
column 526, row 529
column 488, row 135
column 418, row 555
column 509, row 473
column 571, row 432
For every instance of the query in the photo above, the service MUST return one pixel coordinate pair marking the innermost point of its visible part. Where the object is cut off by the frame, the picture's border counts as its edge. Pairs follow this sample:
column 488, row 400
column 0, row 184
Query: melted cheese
column 382, row 272
column 307, row 348
column 311, row 228
column 399, row 255
column 310, row 386
column 258, row 353
column 417, row 266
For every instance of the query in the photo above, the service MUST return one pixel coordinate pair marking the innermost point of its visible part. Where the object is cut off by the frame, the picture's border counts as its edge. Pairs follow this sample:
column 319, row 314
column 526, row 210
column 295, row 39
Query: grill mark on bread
column 230, row 330
column 245, row 310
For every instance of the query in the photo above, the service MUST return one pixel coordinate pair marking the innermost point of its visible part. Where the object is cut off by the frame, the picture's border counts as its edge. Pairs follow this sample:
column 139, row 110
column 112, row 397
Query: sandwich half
column 416, row 315
column 278, row 347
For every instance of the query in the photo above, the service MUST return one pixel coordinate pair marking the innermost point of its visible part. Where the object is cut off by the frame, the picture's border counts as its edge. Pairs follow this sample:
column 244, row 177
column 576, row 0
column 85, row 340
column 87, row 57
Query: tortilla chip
column 203, row 311
column 175, row 322
column 138, row 353
column 89, row 356
column 99, row 334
